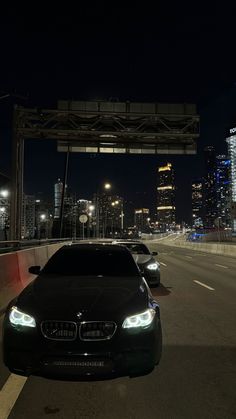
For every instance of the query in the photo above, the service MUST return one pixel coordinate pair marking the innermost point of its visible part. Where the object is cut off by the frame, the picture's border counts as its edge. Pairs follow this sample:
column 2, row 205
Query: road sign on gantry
column 128, row 127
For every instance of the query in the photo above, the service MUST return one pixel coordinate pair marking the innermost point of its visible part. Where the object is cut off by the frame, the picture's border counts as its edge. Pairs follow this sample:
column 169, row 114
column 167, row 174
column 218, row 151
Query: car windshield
column 91, row 262
column 137, row 248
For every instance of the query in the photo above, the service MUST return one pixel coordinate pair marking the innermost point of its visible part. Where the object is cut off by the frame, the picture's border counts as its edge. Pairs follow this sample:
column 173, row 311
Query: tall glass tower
column 209, row 189
column 197, row 203
column 57, row 198
column 231, row 140
column 223, row 190
column 166, row 197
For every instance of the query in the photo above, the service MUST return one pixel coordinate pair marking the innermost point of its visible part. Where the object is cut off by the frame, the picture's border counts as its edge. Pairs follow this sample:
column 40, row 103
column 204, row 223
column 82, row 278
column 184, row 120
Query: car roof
column 91, row 246
column 127, row 242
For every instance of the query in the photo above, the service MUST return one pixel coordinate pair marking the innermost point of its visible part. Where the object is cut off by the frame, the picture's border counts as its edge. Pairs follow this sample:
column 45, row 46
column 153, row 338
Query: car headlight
column 17, row 317
column 139, row 320
column 152, row 266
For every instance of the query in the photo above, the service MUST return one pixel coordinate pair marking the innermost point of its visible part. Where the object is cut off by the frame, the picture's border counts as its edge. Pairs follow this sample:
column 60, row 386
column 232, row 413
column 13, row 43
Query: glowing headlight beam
column 17, row 317
column 152, row 266
column 139, row 320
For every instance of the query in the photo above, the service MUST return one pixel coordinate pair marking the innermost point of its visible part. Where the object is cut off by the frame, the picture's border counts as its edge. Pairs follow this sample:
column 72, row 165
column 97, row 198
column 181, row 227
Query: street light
column 107, row 186
column 4, row 193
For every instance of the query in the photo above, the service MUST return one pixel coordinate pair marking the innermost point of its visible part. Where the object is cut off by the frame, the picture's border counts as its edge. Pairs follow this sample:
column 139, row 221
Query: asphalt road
column 197, row 374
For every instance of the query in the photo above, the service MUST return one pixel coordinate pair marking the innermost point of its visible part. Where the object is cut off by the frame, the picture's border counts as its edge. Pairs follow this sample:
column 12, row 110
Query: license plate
column 97, row 364
column 84, row 366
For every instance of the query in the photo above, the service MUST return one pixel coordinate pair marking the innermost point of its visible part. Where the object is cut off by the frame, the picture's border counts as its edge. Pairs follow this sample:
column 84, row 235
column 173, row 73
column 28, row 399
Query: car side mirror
column 34, row 269
column 154, row 253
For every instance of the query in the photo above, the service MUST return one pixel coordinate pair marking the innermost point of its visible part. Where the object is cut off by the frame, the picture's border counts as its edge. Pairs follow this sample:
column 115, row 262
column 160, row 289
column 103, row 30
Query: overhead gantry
column 101, row 127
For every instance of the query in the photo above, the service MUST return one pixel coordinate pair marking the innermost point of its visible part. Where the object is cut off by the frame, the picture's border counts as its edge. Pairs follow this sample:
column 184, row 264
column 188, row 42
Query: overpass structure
column 101, row 127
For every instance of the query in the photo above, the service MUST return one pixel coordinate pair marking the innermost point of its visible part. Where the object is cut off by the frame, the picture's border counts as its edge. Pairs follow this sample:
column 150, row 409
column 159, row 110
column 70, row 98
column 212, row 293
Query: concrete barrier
column 14, row 275
column 226, row 249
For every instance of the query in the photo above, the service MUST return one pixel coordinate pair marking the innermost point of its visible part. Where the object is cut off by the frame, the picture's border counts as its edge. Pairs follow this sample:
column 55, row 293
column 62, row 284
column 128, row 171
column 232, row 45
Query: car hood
column 142, row 259
column 63, row 297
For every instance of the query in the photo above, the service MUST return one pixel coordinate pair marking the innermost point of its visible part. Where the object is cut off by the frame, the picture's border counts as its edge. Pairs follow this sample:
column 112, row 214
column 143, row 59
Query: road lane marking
column 204, row 285
column 162, row 263
column 10, row 393
column 190, row 257
column 221, row 266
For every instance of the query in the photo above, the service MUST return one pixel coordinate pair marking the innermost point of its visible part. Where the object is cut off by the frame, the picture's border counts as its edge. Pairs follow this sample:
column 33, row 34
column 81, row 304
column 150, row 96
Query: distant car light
column 17, row 317
column 152, row 266
column 139, row 320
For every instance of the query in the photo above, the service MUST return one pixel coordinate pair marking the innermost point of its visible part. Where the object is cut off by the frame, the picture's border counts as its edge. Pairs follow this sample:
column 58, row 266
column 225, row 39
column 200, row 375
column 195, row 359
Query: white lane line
column 162, row 263
column 204, row 285
column 222, row 266
column 190, row 257
column 10, row 393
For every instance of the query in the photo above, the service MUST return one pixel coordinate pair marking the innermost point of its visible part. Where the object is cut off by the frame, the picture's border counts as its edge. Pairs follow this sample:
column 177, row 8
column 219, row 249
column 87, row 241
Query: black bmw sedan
column 145, row 260
column 88, row 314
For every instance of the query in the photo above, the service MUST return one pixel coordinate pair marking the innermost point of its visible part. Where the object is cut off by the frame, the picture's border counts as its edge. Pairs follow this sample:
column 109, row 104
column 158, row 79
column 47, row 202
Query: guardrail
column 218, row 248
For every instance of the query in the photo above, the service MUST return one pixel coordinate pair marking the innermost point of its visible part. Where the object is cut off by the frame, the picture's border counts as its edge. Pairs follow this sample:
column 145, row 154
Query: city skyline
column 136, row 187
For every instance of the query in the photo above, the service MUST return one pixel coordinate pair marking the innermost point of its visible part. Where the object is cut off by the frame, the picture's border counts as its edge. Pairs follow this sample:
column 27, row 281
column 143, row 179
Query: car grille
column 101, row 330
column 59, row 330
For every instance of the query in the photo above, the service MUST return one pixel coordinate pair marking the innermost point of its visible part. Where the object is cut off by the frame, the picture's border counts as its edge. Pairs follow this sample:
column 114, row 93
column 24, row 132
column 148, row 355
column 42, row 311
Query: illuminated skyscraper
column 141, row 218
column 28, row 217
column 197, row 203
column 209, row 188
column 223, row 190
column 108, row 214
column 166, row 197
column 57, row 198
column 231, row 140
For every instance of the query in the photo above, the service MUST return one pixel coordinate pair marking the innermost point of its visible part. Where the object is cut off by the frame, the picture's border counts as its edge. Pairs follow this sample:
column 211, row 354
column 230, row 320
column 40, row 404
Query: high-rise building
column 58, row 187
column 28, row 217
column 43, row 218
column 197, row 203
column 141, row 220
column 108, row 214
column 231, row 140
column 66, row 224
column 223, row 191
column 166, row 197
column 83, row 206
column 209, row 188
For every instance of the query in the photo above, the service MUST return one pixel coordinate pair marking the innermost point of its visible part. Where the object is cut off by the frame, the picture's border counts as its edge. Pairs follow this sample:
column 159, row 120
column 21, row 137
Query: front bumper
column 131, row 353
column 152, row 277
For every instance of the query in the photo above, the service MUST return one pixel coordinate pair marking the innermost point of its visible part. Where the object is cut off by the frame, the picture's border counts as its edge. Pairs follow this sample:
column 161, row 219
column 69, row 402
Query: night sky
column 107, row 51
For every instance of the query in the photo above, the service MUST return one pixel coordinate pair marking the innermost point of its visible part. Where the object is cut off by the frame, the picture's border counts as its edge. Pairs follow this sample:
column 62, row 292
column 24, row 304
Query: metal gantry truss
column 101, row 127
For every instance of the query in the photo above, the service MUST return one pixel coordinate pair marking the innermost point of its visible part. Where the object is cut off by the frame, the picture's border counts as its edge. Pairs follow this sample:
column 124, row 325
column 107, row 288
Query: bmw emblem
column 79, row 315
